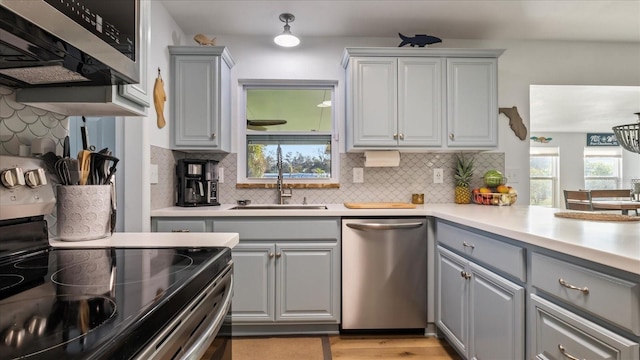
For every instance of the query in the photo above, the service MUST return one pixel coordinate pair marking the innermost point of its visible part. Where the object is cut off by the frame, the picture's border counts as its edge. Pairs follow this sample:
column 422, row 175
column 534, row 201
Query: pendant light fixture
column 629, row 135
column 287, row 39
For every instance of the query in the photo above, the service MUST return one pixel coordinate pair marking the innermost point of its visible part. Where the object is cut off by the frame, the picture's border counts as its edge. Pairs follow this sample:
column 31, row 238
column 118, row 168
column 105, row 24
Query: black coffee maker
column 197, row 182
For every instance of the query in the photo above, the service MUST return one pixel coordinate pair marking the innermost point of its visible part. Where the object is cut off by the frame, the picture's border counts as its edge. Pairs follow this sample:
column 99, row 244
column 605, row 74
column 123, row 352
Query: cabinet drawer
column 611, row 298
column 560, row 334
column 500, row 255
column 278, row 229
column 181, row 226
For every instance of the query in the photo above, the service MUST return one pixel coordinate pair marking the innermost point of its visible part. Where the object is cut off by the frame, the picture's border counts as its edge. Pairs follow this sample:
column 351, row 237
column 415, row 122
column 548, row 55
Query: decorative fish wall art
column 420, row 40
column 541, row 139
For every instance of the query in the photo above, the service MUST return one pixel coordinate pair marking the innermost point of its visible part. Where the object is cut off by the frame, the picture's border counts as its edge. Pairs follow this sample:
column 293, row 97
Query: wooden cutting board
column 379, row 205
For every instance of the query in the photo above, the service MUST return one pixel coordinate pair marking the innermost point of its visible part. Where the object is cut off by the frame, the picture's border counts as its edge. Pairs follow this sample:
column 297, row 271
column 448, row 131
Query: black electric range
column 107, row 303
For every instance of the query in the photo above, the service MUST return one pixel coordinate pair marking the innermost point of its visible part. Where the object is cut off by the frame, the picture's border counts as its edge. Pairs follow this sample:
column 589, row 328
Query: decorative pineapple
column 463, row 174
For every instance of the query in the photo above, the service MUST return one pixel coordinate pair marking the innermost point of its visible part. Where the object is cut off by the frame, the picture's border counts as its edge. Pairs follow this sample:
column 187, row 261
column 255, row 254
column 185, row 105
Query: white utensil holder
column 83, row 212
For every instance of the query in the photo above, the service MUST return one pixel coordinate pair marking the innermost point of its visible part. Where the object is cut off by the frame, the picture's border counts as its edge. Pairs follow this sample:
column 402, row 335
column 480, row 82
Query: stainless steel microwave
column 69, row 42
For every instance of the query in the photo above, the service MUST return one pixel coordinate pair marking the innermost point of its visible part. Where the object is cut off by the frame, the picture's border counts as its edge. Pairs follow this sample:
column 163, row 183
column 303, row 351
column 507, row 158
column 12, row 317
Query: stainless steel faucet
column 282, row 192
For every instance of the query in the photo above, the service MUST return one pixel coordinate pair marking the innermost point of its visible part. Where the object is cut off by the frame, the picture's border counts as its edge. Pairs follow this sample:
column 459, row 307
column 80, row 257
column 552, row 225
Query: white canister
column 83, row 212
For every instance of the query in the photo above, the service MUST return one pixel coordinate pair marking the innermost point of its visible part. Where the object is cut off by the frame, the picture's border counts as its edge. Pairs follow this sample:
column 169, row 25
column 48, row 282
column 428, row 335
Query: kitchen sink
column 279, row 207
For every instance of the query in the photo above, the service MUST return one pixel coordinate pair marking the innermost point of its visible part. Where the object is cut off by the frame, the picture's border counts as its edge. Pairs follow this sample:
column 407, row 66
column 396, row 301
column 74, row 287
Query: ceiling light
column 629, row 135
column 287, row 39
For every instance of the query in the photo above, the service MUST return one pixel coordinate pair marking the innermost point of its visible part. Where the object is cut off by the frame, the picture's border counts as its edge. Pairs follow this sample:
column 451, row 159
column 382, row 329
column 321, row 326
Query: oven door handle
column 212, row 329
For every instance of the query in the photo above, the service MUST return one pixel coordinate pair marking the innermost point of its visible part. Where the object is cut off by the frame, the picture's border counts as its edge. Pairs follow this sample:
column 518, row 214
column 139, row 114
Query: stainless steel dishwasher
column 384, row 273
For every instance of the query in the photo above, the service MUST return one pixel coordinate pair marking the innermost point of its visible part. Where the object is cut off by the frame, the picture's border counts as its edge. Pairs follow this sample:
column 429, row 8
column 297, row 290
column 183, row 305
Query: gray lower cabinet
column 284, row 282
column 480, row 312
column 181, row 225
column 560, row 334
column 287, row 271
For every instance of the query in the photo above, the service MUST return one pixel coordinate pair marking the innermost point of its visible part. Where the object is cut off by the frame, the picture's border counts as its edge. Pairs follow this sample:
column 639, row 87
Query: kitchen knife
column 66, row 148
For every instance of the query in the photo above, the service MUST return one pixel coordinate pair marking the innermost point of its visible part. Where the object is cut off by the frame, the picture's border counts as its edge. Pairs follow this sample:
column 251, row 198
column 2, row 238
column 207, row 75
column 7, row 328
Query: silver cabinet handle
column 181, row 230
column 466, row 244
column 565, row 353
column 451, row 136
column 270, row 254
column 375, row 226
column 584, row 290
column 213, row 135
column 465, row 274
column 395, row 136
column 401, row 136
column 278, row 254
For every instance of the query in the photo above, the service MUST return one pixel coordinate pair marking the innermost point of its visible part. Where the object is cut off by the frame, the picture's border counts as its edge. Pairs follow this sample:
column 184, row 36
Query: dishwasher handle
column 378, row 226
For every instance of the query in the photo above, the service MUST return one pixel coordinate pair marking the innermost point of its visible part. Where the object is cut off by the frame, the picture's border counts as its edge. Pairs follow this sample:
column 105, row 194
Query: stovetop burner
column 10, row 280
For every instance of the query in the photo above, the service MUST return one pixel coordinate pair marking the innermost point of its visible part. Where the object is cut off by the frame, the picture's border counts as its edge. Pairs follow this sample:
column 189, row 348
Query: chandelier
column 629, row 135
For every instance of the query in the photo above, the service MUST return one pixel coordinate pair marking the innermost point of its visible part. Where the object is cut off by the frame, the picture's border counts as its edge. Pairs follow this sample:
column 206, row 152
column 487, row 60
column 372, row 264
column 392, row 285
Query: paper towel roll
column 381, row 158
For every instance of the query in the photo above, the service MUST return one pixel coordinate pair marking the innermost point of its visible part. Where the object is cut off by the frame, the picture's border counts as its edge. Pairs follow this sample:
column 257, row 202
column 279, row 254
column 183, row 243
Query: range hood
column 31, row 56
column 75, row 62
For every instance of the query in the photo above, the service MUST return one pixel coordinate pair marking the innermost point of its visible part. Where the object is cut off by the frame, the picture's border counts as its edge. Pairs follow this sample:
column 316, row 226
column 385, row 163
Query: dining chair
column 578, row 200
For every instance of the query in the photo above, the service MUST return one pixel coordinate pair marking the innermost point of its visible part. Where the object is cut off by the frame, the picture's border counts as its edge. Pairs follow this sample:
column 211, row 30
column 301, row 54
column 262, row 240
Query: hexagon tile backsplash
column 20, row 124
column 414, row 175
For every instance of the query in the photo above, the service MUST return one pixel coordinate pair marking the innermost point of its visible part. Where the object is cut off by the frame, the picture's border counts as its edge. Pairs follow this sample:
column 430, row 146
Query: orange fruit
column 484, row 190
column 503, row 189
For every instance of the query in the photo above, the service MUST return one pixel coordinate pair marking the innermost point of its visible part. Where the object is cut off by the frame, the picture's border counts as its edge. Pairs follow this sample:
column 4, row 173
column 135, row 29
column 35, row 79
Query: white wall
column 523, row 63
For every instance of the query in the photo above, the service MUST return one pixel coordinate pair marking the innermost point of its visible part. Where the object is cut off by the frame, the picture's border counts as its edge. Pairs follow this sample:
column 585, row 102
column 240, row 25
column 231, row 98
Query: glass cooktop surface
column 97, row 303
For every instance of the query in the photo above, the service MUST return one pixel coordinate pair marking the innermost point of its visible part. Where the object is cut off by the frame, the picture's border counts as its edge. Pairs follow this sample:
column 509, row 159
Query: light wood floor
column 362, row 347
column 355, row 347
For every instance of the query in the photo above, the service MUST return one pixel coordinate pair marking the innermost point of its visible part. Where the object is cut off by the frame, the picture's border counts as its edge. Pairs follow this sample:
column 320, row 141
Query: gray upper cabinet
column 472, row 102
column 413, row 98
column 395, row 102
column 200, row 92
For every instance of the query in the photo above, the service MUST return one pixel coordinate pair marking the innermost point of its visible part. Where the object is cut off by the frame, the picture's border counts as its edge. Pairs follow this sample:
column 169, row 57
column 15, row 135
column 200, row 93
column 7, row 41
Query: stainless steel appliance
column 73, row 42
column 197, row 182
column 102, row 303
column 384, row 274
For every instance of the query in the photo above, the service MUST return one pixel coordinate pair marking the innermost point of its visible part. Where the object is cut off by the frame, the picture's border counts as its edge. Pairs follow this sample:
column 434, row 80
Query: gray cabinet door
column 452, row 300
column 420, row 102
column 472, row 102
column 201, row 98
column 496, row 316
column 374, row 106
column 254, row 282
column 307, row 277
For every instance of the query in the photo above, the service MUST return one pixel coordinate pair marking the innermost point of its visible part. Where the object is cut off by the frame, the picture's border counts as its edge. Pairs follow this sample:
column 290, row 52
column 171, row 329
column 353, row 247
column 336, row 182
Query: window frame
column 616, row 153
column 554, row 154
column 331, row 85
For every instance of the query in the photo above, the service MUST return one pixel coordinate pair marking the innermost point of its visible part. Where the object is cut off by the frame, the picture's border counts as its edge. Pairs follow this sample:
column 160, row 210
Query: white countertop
column 615, row 244
column 154, row 240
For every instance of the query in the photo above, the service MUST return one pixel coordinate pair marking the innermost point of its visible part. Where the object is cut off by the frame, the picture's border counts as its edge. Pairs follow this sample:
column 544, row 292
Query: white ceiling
column 569, row 108
column 583, row 109
column 589, row 20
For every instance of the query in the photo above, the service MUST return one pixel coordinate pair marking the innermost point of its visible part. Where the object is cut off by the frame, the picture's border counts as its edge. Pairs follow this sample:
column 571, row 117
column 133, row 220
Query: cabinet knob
column 278, row 254
column 451, row 136
column 465, row 274
column 270, row 254
column 395, row 136
column 213, row 135
column 401, row 136
column 466, row 244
